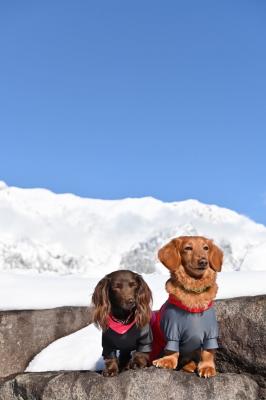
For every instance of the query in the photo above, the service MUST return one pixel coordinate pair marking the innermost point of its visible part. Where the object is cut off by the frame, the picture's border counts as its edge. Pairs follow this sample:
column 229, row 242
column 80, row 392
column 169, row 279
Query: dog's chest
column 125, row 341
column 190, row 329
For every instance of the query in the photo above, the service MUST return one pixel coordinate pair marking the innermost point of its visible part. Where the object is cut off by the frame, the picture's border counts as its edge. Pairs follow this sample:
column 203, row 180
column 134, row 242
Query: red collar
column 173, row 300
column 118, row 327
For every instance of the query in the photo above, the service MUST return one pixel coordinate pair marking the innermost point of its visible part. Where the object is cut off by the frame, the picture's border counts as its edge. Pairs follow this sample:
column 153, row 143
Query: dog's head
column 122, row 289
column 195, row 253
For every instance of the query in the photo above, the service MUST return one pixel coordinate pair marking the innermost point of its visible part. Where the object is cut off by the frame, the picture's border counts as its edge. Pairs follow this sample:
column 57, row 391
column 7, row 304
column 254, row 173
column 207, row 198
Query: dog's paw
column 111, row 367
column 110, row 372
column 206, row 372
column 140, row 360
column 190, row 367
column 168, row 362
column 136, row 364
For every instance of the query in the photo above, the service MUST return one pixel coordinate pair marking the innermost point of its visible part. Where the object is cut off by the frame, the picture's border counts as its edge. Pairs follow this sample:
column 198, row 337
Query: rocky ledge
column 240, row 361
column 147, row 384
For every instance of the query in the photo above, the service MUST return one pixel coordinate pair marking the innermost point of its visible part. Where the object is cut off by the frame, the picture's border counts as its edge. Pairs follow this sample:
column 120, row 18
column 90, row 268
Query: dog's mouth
column 129, row 305
column 201, row 268
column 196, row 271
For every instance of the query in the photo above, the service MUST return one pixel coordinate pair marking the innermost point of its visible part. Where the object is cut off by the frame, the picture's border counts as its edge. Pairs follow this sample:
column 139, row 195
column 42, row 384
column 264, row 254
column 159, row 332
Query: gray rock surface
column 23, row 334
column 240, row 360
column 242, row 327
column 147, row 384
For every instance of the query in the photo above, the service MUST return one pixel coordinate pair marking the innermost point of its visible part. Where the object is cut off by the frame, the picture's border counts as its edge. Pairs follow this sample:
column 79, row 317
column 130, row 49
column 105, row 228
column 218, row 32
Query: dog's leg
column 169, row 361
column 206, row 367
column 189, row 362
column 191, row 366
column 140, row 360
column 124, row 360
column 111, row 367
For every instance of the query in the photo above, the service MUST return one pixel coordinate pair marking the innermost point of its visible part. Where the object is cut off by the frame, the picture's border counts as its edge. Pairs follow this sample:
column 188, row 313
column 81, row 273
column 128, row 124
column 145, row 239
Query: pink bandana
column 118, row 327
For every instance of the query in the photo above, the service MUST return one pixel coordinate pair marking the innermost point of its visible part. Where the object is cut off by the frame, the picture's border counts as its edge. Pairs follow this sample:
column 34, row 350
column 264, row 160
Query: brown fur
column 102, row 299
column 125, row 294
column 183, row 264
column 193, row 262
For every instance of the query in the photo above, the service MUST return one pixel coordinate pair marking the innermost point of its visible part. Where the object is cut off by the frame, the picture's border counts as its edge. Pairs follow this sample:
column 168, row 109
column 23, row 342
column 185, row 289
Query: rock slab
column 147, row 384
column 23, row 334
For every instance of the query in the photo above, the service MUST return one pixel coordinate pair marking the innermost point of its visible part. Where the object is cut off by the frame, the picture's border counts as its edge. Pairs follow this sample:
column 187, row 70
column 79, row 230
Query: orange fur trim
column 207, row 283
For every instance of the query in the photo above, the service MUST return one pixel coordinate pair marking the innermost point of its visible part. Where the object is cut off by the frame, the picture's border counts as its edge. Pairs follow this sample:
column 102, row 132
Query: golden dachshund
column 187, row 321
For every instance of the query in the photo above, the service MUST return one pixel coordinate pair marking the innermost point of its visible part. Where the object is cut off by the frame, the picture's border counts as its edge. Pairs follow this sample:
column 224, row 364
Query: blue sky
column 114, row 99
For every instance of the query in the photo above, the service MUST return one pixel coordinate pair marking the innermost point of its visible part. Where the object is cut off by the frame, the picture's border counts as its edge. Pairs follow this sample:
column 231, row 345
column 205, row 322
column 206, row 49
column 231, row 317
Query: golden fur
column 198, row 290
column 193, row 262
column 180, row 281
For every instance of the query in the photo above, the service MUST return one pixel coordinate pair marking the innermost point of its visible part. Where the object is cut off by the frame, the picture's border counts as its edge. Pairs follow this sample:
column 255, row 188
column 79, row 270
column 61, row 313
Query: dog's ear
column 143, row 302
column 101, row 302
column 215, row 257
column 169, row 254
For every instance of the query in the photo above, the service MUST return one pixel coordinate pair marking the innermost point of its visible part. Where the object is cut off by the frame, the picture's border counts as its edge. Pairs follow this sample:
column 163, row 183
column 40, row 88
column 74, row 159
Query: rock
column 147, row 384
column 23, row 334
column 242, row 326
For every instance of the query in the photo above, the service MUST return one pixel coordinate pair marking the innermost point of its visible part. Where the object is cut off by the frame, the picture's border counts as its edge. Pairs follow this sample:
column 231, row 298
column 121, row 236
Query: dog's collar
column 120, row 327
column 197, row 290
column 173, row 300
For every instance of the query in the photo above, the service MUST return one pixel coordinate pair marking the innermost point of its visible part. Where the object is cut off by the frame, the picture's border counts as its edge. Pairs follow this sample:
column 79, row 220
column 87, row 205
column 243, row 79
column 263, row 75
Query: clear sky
column 113, row 99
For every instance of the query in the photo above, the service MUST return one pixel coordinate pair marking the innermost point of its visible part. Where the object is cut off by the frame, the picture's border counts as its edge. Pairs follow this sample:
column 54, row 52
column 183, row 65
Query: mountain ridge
column 66, row 234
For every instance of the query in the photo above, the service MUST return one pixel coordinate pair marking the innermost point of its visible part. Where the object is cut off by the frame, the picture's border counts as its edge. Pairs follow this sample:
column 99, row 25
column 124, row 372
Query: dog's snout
column 203, row 262
column 131, row 301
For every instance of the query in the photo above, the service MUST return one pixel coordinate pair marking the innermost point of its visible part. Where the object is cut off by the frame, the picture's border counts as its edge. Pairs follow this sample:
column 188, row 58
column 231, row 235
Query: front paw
column 110, row 372
column 140, row 360
column 206, row 371
column 111, row 368
column 168, row 362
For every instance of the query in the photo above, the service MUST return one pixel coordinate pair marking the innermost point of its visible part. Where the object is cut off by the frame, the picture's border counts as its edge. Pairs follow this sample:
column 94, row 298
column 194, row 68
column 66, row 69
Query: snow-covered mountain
column 41, row 231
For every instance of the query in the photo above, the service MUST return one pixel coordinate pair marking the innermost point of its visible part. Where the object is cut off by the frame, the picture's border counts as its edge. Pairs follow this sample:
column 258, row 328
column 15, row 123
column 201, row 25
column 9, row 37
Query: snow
column 82, row 350
column 79, row 351
column 29, row 292
column 64, row 234
column 3, row 185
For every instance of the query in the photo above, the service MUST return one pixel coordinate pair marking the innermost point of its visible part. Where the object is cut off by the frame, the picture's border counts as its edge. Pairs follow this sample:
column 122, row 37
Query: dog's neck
column 190, row 291
column 121, row 315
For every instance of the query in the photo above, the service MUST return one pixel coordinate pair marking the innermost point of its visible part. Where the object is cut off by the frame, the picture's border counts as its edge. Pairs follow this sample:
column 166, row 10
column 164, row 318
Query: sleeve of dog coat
column 211, row 331
column 145, row 341
column 170, row 329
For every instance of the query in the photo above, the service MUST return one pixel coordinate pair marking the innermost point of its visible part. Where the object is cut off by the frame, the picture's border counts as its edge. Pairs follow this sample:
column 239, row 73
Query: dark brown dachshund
column 188, row 319
column 122, row 310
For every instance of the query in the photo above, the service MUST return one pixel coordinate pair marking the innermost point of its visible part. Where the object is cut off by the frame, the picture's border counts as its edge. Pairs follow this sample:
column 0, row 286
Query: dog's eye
column 205, row 248
column 117, row 286
column 188, row 248
column 132, row 284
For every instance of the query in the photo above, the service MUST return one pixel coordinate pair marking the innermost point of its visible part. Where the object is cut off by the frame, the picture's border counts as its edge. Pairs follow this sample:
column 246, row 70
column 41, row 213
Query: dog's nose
column 203, row 263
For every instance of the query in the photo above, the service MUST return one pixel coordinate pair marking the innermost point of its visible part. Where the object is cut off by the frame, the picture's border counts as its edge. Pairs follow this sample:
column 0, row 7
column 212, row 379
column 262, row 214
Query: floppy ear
column 143, row 302
column 101, row 302
column 169, row 255
column 215, row 257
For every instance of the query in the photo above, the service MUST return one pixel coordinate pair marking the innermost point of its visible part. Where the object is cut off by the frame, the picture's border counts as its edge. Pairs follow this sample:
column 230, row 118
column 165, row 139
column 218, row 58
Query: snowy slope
column 36, row 292
column 64, row 234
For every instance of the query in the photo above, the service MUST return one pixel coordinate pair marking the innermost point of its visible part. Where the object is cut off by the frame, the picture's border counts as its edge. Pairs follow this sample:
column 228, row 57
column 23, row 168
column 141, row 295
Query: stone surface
column 23, row 334
column 242, row 327
column 147, row 384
